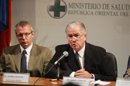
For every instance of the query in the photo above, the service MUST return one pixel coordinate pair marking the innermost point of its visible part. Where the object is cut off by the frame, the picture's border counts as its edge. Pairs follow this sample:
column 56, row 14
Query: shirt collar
column 81, row 51
column 27, row 49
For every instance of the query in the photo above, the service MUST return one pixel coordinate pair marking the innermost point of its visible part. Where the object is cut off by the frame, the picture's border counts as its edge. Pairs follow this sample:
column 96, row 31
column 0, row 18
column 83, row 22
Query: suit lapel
column 17, row 58
column 32, row 57
column 87, row 56
column 71, row 60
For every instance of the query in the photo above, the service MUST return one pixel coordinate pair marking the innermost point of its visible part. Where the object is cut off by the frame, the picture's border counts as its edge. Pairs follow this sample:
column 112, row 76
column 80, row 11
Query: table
column 113, row 83
column 36, row 81
column 33, row 81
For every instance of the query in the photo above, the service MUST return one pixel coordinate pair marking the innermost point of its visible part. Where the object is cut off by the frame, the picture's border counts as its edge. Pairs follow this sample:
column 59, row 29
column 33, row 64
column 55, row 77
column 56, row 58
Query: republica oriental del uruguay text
column 99, row 9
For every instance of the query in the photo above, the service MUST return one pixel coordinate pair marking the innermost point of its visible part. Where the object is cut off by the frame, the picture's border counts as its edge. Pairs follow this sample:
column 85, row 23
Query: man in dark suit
column 36, row 57
column 127, row 72
column 92, row 61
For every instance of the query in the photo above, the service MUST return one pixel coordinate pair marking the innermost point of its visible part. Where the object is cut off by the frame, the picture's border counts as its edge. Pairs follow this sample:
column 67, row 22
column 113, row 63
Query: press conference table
column 35, row 81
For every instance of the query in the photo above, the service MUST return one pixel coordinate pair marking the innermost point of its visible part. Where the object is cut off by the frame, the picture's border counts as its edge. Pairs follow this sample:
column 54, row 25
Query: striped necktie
column 23, row 62
column 77, row 60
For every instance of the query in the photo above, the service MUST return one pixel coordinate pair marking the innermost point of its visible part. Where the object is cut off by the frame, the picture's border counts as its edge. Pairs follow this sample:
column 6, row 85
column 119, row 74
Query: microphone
column 65, row 54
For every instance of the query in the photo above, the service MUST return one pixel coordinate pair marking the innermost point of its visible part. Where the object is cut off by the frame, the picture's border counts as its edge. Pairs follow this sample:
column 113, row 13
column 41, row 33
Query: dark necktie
column 77, row 60
column 23, row 62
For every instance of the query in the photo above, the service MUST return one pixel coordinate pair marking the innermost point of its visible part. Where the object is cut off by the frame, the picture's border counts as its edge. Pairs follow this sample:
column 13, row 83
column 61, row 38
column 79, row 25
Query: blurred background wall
column 107, row 23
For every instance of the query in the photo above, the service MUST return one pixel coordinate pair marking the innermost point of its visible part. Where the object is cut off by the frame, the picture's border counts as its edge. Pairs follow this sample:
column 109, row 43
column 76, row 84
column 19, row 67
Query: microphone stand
column 58, row 71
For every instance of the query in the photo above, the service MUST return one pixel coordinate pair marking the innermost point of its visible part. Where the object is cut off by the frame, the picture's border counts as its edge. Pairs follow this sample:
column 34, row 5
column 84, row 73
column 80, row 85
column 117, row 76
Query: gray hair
column 23, row 23
column 76, row 23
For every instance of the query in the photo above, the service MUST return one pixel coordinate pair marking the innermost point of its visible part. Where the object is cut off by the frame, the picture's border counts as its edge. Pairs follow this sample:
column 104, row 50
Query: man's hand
column 83, row 73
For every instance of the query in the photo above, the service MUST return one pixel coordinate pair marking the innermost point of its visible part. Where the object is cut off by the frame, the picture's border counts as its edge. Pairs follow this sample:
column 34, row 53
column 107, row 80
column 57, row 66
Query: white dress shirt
column 28, row 50
column 81, row 56
column 81, row 59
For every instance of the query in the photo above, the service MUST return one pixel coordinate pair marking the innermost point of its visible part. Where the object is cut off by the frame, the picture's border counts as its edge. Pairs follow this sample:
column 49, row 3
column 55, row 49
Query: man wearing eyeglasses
column 91, row 62
column 25, row 57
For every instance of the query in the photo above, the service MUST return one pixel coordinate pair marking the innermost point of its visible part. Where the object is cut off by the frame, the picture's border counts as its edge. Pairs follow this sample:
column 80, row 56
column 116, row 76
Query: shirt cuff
column 93, row 76
column 72, row 74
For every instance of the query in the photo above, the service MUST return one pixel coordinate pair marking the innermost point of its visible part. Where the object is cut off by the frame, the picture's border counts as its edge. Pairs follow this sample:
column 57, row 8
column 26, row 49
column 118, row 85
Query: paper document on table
column 122, row 82
column 78, row 81
column 99, row 82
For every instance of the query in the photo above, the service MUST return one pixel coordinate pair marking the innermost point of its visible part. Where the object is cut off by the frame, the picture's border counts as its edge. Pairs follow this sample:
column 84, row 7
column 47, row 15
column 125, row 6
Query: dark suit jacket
column 10, row 61
column 95, row 61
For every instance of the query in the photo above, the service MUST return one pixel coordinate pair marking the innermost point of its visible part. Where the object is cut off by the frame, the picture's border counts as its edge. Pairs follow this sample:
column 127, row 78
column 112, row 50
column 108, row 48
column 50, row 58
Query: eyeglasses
column 20, row 35
column 74, row 35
